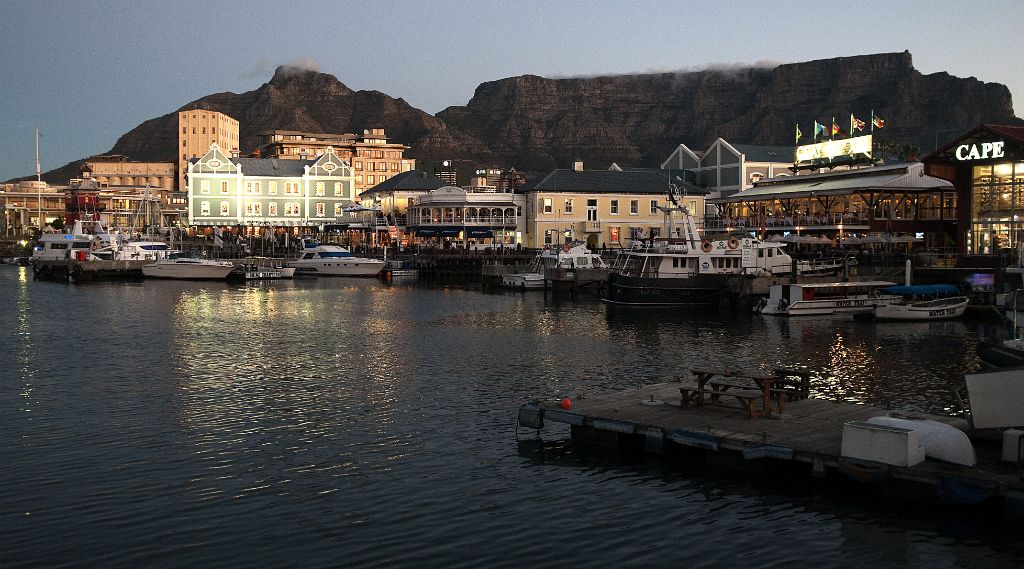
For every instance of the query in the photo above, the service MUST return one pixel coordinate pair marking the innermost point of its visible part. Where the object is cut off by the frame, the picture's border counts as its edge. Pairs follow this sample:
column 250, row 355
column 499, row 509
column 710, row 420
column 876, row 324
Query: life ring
column 565, row 248
column 733, row 243
column 706, row 246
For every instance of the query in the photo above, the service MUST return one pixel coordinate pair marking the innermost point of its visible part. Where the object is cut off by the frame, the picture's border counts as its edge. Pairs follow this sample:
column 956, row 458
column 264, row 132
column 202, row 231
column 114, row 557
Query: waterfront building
column 471, row 217
column 604, row 208
column 197, row 130
column 234, row 191
column 986, row 165
column 25, row 201
column 390, row 200
column 373, row 158
column 898, row 200
column 136, row 188
column 726, row 168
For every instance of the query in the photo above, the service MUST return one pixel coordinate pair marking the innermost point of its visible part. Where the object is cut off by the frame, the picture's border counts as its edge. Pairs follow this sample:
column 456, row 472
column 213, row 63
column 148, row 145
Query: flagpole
column 39, row 187
column 872, row 121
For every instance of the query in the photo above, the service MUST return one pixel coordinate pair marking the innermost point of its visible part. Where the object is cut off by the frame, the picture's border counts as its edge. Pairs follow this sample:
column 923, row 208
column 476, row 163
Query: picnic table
column 712, row 384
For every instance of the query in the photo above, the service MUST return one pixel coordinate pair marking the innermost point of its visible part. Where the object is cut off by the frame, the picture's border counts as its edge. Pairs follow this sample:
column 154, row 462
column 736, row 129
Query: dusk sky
column 85, row 73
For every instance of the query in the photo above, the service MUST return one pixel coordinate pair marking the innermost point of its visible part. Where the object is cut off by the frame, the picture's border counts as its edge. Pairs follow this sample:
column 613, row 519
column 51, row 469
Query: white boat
column 398, row 269
column 569, row 257
column 940, row 440
column 75, row 245
column 923, row 302
column 264, row 268
column 189, row 268
column 121, row 249
column 799, row 299
column 335, row 261
column 1005, row 353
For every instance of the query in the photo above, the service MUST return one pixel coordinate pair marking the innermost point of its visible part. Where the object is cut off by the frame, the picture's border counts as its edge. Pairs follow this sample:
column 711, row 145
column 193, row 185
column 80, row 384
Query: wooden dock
column 807, row 434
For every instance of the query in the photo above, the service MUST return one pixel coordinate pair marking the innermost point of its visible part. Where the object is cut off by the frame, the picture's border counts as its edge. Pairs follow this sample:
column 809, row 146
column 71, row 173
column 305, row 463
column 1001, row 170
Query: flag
column 876, row 121
column 836, row 129
column 818, row 129
column 217, row 241
column 798, row 134
column 856, row 124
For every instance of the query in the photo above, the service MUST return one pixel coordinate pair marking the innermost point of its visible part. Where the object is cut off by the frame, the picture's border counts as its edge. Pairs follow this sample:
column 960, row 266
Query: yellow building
column 373, row 158
column 197, row 130
column 605, row 208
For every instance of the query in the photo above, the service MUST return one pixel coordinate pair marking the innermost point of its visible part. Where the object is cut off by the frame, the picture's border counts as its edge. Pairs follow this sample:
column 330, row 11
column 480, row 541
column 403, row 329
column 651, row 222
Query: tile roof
column 413, row 180
column 632, row 181
column 272, row 167
column 754, row 153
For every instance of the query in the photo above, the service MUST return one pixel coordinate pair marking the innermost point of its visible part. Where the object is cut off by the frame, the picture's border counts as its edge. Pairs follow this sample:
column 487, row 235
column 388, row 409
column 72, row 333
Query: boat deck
column 808, row 431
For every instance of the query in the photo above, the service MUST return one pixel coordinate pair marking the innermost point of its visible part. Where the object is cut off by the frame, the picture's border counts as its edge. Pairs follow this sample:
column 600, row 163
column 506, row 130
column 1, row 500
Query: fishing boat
column 319, row 259
column 693, row 270
column 800, row 299
column 923, row 302
column 568, row 256
column 189, row 268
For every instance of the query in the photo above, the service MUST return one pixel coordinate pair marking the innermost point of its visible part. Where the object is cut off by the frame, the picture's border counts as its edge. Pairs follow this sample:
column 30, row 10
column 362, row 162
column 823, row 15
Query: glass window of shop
column 997, row 206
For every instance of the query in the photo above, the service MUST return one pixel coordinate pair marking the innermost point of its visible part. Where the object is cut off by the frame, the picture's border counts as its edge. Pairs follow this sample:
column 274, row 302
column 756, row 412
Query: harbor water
column 353, row 423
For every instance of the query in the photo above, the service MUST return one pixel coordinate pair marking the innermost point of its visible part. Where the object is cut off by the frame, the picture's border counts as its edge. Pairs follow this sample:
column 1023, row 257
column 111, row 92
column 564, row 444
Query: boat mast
column 39, row 187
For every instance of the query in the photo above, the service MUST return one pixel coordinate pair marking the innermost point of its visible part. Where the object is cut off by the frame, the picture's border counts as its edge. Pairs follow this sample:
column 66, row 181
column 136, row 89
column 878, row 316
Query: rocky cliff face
column 638, row 120
column 537, row 124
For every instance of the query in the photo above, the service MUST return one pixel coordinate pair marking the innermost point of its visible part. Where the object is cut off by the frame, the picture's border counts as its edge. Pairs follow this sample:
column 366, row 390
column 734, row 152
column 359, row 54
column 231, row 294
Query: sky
column 86, row 72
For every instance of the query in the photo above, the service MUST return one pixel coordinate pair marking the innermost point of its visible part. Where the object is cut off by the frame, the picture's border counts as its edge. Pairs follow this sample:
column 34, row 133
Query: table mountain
column 536, row 124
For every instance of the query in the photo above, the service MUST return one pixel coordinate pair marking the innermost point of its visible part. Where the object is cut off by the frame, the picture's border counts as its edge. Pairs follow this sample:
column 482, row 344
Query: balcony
column 592, row 227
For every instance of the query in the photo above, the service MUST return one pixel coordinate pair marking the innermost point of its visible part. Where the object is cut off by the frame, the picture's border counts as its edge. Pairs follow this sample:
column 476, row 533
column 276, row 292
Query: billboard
column 829, row 150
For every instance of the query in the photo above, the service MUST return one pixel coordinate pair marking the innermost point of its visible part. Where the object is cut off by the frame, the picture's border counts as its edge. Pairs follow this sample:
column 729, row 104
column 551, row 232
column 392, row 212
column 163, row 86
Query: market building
column 986, row 165
column 233, row 191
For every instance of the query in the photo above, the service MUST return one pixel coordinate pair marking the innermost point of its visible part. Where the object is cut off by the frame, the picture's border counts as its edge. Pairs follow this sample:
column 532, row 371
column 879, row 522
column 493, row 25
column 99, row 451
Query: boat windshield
column 334, row 254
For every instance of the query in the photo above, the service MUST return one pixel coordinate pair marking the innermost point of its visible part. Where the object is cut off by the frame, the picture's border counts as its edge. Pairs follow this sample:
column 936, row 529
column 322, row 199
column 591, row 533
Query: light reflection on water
column 344, row 422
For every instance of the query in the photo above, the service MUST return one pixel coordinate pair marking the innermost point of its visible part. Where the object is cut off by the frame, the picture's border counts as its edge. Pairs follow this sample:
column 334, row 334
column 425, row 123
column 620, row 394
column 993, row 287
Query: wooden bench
column 744, row 393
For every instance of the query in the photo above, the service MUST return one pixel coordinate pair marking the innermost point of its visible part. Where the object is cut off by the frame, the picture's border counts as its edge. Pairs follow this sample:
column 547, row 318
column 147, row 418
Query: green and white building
column 231, row 191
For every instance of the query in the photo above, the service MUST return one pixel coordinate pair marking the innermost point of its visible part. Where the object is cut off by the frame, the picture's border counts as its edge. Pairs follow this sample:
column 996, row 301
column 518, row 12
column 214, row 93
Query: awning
column 480, row 232
column 449, row 232
column 426, row 232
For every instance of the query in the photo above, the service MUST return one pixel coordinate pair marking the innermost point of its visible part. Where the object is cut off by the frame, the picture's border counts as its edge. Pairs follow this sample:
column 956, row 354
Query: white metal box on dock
column 1012, row 445
column 879, row 443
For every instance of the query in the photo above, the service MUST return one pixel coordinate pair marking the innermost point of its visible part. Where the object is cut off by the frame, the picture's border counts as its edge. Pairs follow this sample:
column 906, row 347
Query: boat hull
column 650, row 291
column 921, row 311
column 998, row 354
column 213, row 272
column 368, row 268
column 523, row 281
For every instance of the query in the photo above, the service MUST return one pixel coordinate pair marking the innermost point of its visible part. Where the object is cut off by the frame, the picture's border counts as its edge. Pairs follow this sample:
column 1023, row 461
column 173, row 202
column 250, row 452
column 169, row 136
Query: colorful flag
column 876, row 121
column 798, row 134
column 819, row 129
column 856, row 124
column 836, row 129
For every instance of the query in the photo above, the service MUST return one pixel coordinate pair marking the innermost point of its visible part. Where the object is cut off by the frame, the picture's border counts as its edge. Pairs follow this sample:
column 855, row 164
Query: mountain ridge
column 536, row 124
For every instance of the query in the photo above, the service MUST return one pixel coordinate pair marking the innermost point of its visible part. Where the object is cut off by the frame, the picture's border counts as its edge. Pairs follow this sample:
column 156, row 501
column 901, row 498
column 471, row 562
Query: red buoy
column 566, row 403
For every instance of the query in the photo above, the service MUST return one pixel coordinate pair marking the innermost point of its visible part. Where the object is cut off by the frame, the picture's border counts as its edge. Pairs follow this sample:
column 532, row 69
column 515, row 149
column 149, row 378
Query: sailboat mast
column 39, row 187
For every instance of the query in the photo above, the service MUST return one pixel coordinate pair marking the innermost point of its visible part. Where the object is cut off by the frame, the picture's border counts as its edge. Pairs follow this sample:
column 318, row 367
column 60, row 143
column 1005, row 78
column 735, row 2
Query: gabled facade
column 224, row 191
column 725, row 168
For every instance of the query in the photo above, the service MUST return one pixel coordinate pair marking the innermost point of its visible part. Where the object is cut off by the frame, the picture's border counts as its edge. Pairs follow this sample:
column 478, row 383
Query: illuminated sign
column 980, row 151
column 831, row 149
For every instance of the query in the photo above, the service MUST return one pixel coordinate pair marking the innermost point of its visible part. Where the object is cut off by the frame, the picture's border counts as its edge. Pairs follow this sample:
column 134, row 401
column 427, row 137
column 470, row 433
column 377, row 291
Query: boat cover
column 923, row 290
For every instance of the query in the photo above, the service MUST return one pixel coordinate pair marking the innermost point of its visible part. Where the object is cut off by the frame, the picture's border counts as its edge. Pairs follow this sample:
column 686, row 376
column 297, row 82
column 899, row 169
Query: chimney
column 577, row 165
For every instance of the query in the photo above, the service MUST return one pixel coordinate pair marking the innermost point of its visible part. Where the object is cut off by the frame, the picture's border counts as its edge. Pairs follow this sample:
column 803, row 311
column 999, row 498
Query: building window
column 225, row 208
column 359, row 166
column 615, row 210
column 369, row 180
column 359, row 178
column 320, row 189
column 321, row 209
column 756, row 177
column 204, row 186
column 548, row 206
column 184, row 130
column 549, row 236
column 654, row 207
column 204, row 208
column 272, row 208
column 382, row 166
column 634, row 207
column 213, row 130
column 383, row 178
column 337, row 210
column 272, row 188
column 337, row 189
column 184, row 143
column 568, row 206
